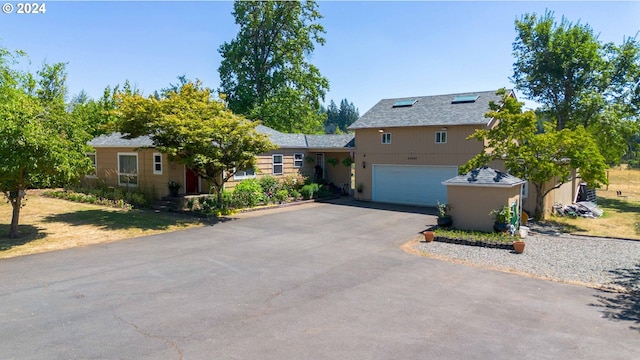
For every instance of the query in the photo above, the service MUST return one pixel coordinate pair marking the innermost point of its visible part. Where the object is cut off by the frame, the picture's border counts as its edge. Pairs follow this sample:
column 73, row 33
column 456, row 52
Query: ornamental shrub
column 247, row 193
column 270, row 185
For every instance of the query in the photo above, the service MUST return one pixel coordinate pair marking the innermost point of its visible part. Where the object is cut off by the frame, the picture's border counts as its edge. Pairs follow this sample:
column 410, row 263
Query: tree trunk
column 539, row 212
column 16, row 202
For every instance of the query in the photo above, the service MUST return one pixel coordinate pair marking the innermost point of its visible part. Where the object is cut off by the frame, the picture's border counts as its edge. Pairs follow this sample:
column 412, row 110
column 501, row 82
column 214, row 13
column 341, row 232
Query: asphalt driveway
column 317, row 281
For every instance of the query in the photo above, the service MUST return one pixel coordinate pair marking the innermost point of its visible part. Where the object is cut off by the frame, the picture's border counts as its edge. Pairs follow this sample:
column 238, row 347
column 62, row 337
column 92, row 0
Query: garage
column 411, row 184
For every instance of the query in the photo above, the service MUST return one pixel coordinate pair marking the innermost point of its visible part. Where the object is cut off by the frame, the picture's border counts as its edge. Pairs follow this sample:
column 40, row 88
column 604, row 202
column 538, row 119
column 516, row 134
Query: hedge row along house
column 402, row 151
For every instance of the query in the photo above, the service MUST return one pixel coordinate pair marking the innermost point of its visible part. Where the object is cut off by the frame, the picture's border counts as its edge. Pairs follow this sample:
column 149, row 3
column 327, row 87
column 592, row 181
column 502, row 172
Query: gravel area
column 604, row 263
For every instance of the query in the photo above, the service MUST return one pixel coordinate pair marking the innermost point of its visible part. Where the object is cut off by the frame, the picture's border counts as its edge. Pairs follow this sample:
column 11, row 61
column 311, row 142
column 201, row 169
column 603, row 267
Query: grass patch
column 621, row 216
column 493, row 237
column 475, row 238
column 48, row 224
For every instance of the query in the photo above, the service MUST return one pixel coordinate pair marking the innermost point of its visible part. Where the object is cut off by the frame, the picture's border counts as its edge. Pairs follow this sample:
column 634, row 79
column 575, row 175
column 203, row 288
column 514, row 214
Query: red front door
column 191, row 182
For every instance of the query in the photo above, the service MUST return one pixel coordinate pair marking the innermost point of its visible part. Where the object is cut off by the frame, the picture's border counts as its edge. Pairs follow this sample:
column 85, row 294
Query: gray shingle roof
column 484, row 176
column 331, row 141
column 297, row 141
column 115, row 140
column 435, row 110
column 281, row 139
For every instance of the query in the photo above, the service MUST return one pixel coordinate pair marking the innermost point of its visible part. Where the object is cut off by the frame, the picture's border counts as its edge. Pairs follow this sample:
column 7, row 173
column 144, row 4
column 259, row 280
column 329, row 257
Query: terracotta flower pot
column 518, row 246
column 429, row 236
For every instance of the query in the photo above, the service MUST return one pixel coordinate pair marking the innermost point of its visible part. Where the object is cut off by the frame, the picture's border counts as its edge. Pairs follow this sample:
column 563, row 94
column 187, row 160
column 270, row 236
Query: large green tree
column 41, row 143
column 543, row 156
column 98, row 115
column 195, row 130
column 579, row 80
column 341, row 117
column 265, row 73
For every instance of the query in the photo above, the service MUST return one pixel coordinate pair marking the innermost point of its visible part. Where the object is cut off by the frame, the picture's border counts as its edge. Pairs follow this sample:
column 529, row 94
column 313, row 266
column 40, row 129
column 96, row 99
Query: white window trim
column 156, row 172
column 301, row 160
column 95, row 165
column 137, row 169
column 384, row 136
column 273, row 164
column 446, row 137
column 242, row 177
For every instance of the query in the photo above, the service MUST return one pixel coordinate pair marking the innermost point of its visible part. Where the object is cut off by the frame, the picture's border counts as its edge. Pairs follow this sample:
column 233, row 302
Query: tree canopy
column 579, row 80
column 195, row 130
column 543, row 156
column 265, row 73
column 42, row 144
column 341, row 117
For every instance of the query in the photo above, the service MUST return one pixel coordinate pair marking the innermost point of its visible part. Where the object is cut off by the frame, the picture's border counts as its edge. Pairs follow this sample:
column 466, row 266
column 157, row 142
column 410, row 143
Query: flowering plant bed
column 476, row 238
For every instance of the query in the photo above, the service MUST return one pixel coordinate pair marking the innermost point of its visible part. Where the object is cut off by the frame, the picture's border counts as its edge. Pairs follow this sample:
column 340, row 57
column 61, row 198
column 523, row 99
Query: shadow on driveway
column 348, row 201
column 623, row 306
column 134, row 219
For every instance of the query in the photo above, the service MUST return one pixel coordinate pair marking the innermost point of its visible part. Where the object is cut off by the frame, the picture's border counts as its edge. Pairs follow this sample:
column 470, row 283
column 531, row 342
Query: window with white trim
column 441, row 137
column 386, row 138
column 298, row 159
column 94, row 162
column 157, row 164
column 244, row 174
column 127, row 169
column 278, row 167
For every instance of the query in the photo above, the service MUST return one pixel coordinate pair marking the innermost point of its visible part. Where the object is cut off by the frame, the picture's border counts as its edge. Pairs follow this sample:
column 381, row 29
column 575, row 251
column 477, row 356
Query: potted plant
column 429, row 235
column 444, row 219
column 359, row 187
column 173, row 188
column 333, row 161
column 518, row 246
column 501, row 218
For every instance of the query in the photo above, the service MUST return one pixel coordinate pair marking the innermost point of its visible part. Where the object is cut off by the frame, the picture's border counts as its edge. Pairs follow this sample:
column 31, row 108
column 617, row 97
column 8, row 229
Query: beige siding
column 264, row 165
column 471, row 205
column 564, row 195
column 156, row 184
column 338, row 175
column 411, row 146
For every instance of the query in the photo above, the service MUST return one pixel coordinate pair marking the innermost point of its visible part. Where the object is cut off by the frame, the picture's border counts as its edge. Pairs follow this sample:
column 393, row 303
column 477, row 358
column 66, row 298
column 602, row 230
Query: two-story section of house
column 406, row 147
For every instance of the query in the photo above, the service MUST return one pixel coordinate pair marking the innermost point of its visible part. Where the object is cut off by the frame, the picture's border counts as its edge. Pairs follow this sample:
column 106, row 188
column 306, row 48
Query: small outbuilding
column 472, row 196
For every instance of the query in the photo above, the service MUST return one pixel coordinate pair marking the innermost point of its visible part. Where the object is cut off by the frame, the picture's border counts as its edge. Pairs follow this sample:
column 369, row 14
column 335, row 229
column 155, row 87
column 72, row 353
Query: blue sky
column 373, row 50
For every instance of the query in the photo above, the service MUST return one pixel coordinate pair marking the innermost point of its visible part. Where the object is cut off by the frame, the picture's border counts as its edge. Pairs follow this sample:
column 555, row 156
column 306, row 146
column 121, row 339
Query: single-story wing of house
column 136, row 163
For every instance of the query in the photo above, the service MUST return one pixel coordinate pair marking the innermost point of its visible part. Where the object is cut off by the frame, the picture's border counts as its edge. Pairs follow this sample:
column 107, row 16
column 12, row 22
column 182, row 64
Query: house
column 135, row 163
column 406, row 148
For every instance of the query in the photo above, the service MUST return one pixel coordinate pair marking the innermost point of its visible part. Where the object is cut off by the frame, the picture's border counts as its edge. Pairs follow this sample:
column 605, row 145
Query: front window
column 386, row 138
column 244, row 174
column 128, row 169
column 157, row 163
column 94, row 161
column 297, row 160
column 278, row 168
column 441, row 137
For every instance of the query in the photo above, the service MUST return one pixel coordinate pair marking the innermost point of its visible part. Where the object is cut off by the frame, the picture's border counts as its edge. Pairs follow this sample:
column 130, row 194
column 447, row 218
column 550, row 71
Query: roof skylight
column 465, row 99
column 404, row 103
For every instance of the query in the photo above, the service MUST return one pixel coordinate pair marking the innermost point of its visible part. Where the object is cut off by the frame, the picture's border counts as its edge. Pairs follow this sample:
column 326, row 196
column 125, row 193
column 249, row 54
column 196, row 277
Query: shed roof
column 484, row 176
column 438, row 110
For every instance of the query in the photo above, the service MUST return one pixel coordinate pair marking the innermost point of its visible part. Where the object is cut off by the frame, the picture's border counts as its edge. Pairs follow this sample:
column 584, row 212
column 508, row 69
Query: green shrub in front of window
column 247, row 193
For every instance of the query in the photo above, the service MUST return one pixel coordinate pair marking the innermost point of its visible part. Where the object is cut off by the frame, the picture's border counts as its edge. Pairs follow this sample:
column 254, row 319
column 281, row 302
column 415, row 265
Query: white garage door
column 412, row 185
